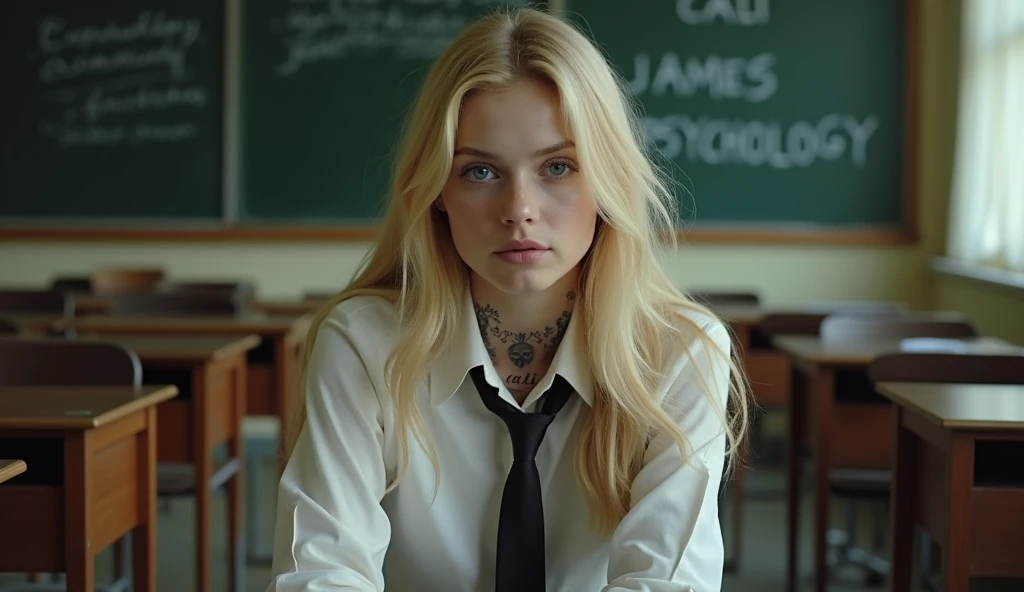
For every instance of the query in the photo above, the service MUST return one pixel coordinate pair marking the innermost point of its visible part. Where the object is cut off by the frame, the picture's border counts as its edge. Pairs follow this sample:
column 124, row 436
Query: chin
column 522, row 282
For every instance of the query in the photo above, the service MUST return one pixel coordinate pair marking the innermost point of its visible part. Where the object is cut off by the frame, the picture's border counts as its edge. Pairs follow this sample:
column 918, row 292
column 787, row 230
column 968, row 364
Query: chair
column 119, row 280
column 72, row 284
column 175, row 304
column 243, row 291
column 945, row 368
column 36, row 302
column 55, row 362
column 858, row 484
column 9, row 327
column 25, row 362
column 848, row 329
column 807, row 319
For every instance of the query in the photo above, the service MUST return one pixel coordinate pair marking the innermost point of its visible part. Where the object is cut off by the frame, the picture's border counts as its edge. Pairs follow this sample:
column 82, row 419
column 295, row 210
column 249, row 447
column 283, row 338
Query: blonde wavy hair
column 414, row 263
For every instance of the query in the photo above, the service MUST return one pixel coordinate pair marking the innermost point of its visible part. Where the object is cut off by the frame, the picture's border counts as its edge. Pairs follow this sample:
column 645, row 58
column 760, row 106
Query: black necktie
column 520, row 563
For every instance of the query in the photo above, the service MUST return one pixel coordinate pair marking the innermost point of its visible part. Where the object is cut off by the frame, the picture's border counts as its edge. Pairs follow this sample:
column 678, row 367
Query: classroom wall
column 783, row 274
column 997, row 311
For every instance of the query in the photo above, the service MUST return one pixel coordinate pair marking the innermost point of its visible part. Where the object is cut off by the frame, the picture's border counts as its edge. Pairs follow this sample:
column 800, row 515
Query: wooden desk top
column 182, row 348
column 811, row 350
column 278, row 307
column 258, row 323
column 961, row 406
column 74, row 407
column 11, row 468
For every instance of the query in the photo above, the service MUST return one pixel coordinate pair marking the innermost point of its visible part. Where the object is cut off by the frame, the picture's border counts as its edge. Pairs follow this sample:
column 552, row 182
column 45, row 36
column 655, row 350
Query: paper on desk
column 933, row 345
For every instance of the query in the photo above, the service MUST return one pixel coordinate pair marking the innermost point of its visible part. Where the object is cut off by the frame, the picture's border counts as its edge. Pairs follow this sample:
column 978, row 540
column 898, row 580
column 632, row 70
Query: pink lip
column 521, row 252
column 523, row 245
column 522, row 256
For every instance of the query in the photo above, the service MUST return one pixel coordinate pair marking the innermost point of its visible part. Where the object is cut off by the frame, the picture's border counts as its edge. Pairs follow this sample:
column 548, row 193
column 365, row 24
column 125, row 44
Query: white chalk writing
column 101, row 77
column 313, row 31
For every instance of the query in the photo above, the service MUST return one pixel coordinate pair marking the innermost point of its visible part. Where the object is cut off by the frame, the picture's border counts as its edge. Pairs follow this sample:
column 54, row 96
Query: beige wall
column 783, row 274
column 998, row 312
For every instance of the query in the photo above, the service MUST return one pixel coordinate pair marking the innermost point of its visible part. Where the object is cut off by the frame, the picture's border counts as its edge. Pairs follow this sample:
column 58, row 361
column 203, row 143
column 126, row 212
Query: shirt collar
column 452, row 367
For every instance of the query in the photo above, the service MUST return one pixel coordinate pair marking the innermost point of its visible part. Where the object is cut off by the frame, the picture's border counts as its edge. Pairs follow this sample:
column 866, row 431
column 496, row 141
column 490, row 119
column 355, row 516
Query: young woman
column 511, row 395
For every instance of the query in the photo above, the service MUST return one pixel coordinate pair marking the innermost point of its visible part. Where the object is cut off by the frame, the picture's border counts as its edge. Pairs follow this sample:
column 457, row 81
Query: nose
column 520, row 205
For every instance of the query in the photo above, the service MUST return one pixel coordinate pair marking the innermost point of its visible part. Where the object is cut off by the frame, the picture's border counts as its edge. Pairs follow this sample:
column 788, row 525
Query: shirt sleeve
column 331, row 531
column 671, row 538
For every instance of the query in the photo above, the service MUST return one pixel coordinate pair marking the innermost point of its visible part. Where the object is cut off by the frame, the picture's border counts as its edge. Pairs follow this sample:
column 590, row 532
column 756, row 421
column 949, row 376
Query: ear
column 439, row 204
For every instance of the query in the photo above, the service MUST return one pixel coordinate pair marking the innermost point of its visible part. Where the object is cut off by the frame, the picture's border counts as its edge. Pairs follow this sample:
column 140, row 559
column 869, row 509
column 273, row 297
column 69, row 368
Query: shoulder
column 364, row 325
column 696, row 327
column 698, row 351
column 359, row 317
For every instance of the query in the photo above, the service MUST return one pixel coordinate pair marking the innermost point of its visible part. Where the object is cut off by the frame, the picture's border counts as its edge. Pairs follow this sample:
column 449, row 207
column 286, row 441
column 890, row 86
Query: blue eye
column 479, row 173
column 558, row 169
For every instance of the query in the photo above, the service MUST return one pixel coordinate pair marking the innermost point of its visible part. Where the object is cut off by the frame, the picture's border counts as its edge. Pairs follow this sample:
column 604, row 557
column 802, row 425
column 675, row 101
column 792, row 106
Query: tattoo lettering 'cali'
column 520, row 350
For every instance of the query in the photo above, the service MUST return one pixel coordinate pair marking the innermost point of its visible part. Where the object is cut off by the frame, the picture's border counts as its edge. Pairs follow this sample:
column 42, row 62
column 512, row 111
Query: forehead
column 523, row 117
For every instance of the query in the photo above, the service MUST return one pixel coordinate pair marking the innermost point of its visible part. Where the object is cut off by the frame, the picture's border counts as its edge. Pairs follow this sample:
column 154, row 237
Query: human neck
column 522, row 331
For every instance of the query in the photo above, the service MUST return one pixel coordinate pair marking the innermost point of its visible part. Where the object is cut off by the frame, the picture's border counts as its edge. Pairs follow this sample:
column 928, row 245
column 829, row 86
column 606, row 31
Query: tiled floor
column 761, row 570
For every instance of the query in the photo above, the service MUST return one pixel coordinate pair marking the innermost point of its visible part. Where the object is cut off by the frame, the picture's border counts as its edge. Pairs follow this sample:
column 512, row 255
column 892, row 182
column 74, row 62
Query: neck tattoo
column 520, row 345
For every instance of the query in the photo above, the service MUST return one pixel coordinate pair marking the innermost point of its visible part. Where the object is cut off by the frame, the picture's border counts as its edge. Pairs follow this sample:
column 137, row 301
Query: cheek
column 574, row 215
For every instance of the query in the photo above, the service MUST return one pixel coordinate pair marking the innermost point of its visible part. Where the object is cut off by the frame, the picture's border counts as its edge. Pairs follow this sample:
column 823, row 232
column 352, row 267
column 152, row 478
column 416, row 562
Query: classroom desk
column 288, row 307
column 272, row 367
column 768, row 373
column 949, row 437
column 10, row 469
column 92, row 304
column 210, row 372
column 91, row 453
column 836, row 443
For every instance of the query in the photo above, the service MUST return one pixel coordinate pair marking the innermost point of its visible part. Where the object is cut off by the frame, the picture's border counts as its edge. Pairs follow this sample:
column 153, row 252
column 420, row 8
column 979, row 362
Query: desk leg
column 144, row 535
column 235, row 486
column 203, row 472
column 957, row 554
column 78, row 555
column 903, row 500
column 822, row 404
column 795, row 443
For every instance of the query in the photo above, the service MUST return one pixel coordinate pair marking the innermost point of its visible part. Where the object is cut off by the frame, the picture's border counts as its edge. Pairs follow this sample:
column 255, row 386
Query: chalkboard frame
column 228, row 229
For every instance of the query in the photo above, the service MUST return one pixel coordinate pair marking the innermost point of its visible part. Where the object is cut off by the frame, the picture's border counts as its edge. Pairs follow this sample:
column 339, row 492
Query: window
column 986, row 224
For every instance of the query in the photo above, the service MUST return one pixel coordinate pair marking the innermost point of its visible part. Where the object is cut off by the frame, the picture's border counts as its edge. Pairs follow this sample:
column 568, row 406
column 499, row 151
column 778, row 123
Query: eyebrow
column 542, row 152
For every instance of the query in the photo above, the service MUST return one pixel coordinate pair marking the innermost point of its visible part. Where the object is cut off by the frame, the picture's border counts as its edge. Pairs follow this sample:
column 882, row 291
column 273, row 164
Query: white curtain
column 986, row 223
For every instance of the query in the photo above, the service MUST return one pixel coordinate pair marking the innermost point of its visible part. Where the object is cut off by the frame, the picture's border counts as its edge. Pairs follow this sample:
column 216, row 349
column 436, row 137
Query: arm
column 671, row 539
column 331, row 531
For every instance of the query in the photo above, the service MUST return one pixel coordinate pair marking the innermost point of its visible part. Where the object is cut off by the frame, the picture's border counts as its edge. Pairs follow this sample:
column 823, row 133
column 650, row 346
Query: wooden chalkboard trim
column 911, row 112
column 820, row 235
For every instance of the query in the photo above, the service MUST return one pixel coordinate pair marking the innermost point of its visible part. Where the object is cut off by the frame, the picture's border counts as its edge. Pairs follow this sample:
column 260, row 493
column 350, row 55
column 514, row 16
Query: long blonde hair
column 414, row 263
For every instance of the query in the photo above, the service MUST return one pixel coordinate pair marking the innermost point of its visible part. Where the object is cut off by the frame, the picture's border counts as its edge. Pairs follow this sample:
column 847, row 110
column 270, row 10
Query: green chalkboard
column 781, row 113
column 326, row 87
column 111, row 109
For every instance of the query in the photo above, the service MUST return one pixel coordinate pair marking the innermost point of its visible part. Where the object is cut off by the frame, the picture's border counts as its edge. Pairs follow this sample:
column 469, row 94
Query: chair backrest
column 72, row 284
column 122, row 280
column 244, row 291
column 849, row 329
column 807, row 320
column 948, row 367
column 9, row 327
column 170, row 305
column 36, row 302
column 714, row 299
column 58, row 362
column 859, row 307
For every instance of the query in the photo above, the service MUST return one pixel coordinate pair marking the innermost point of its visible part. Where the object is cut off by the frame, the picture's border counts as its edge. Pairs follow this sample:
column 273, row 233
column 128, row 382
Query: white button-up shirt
column 337, row 530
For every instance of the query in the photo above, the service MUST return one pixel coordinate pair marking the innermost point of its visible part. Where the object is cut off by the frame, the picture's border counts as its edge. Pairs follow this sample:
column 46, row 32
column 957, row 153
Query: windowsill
column 991, row 276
